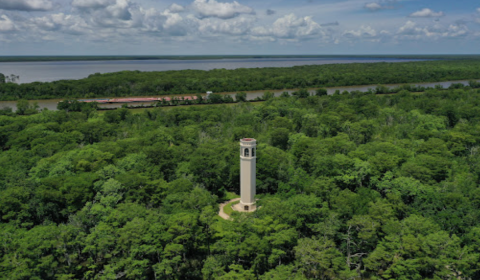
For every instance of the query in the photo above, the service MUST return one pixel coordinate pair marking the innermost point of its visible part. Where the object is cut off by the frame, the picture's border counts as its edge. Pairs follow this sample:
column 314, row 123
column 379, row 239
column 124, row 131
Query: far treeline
column 136, row 83
column 213, row 57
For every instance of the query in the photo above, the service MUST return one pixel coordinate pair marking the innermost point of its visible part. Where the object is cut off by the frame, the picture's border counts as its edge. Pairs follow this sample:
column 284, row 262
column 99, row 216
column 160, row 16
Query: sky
column 242, row 27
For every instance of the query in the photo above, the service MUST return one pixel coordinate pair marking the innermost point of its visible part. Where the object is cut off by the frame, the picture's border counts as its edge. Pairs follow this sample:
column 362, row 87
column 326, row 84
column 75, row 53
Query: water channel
column 51, row 104
column 73, row 70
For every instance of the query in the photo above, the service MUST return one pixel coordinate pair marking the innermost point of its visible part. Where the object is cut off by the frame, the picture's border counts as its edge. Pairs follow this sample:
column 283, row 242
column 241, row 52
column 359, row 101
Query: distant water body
column 73, row 70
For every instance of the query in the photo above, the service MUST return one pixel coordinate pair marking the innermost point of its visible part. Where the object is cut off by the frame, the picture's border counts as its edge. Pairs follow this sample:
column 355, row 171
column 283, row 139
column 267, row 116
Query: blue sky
column 193, row 27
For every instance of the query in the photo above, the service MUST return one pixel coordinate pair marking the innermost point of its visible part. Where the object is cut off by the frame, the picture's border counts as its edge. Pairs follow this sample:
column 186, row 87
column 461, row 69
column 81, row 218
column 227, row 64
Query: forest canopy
column 351, row 186
column 136, row 83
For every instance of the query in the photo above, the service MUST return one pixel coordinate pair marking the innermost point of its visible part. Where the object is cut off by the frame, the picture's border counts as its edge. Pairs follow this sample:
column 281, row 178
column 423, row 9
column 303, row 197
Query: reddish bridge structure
column 138, row 99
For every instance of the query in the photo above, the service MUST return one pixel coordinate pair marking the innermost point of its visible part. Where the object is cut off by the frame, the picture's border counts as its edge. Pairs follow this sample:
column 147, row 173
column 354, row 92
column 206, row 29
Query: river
column 73, row 70
column 51, row 104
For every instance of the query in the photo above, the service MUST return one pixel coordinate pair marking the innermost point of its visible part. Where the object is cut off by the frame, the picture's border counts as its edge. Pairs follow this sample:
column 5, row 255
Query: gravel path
column 222, row 213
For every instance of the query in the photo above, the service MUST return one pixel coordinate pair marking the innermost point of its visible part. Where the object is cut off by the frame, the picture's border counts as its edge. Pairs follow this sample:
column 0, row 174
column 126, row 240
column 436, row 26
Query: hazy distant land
column 205, row 57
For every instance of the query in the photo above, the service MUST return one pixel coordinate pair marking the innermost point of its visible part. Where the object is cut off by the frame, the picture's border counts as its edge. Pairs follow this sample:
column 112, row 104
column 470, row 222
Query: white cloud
column 69, row 24
column 6, row 24
column 109, row 13
column 381, row 5
column 174, row 24
column 26, row 5
column 455, row 30
column 291, row 27
column 412, row 31
column 149, row 20
column 175, row 8
column 212, row 8
column 120, row 10
column 173, row 19
column 362, row 32
column 366, row 33
column 409, row 28
column 122, row 22
column 235, row 26
column 45, row 23
column 92, row 4
column 105, row 10
column 427, row 13
column 373, row 6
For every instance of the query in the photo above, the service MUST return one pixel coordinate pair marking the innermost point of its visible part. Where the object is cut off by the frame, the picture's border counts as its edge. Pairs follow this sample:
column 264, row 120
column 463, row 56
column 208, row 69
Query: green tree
column 22, row 106
column 279, row 138
column 319, row 258
column 209, row 168
column 268, row 95
column 241, row 97
column 321, row 92
column 302, row 93
column 215, row 98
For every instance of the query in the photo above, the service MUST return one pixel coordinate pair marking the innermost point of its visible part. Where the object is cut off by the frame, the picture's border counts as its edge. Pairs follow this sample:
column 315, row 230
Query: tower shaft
column 248, row 165
column 247, row 180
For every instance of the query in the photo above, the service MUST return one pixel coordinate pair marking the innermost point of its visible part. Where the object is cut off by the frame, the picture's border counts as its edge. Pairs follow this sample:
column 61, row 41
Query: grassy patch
column 228, row 208
column 231, row 195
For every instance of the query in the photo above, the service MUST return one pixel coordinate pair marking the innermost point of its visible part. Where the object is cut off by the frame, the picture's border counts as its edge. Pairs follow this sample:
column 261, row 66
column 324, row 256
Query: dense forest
column 136, row 83
column 351, row 186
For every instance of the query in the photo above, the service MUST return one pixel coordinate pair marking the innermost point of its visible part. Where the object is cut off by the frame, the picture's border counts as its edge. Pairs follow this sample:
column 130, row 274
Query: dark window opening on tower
column 247, row 153
column 253, row 152
column 246, row 208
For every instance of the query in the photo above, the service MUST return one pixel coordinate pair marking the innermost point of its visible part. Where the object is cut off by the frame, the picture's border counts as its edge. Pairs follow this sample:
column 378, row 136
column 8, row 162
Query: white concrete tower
column 248, row 165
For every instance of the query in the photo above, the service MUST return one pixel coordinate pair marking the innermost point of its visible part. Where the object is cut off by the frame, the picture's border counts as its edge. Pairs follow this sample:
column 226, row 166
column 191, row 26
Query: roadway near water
column 51, row 104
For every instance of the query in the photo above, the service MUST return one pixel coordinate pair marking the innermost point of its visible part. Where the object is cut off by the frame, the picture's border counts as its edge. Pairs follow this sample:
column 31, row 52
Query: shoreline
column 252, row 96
column 235, row 102
column 255, row 91
column 99, row 58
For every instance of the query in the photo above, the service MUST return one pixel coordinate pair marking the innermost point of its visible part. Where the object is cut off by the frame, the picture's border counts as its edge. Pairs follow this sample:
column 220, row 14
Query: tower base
column 241, row 207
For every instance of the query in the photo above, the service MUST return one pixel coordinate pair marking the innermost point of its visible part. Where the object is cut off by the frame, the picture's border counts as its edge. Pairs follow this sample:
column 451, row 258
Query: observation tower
column 248, row 165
